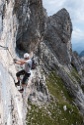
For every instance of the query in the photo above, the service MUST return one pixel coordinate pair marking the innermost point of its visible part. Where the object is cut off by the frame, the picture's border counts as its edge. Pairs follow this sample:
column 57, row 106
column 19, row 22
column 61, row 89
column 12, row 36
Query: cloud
column 74, row 7
column 77, row 35
column 53, row 6
column 76, row 10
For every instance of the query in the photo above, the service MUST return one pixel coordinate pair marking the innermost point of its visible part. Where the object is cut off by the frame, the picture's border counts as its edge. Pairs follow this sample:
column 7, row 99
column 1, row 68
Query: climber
column 27, row 62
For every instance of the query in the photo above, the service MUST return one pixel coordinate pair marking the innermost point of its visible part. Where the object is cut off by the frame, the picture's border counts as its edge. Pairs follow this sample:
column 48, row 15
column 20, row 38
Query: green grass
column 76, row 75
column 38, row 116
column 53, row 113
column 57, row 88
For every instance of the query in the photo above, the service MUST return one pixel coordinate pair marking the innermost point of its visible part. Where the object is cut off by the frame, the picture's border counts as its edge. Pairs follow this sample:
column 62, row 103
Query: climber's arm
column 20, row 62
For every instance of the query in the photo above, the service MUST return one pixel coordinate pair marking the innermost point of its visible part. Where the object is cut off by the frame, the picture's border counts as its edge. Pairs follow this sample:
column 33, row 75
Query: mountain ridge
column 78, row 47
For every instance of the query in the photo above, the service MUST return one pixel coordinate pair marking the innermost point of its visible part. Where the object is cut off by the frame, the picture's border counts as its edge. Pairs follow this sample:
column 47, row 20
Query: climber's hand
column 15, row 60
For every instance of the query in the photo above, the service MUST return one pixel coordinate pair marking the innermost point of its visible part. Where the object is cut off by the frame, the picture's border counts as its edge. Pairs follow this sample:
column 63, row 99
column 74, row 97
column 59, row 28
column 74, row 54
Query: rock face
column 10, row 111
column 25, row 27
column 76, row 61
column 33, row 33
column 14, row 21
column 22, row 12
column 58, row 36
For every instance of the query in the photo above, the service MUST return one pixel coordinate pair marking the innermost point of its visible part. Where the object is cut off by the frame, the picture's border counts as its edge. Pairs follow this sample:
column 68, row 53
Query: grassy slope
column 54, row 114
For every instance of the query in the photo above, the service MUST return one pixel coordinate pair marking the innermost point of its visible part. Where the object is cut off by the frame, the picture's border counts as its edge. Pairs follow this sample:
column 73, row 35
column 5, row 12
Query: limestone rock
column 58, row 36
column 10, row 112
column 30, row 39
column 76, row 62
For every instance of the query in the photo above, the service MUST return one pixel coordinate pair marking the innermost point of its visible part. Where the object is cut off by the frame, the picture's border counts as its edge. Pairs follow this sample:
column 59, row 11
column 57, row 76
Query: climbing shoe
column 21, row 90
column 17, row 83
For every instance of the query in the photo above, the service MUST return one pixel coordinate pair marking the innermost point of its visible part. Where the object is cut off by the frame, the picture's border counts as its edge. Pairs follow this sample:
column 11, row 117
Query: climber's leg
column 25, row 81
column 22, row 72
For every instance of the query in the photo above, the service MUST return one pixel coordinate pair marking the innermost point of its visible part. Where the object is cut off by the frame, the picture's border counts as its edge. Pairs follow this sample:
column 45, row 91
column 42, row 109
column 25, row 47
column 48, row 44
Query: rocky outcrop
column 22, row 11
column 58, row 36
column 10, row 112
column 76, row 62
column 35, row 27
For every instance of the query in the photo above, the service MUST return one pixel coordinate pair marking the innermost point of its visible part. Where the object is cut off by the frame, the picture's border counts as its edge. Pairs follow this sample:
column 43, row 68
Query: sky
column 76, row 11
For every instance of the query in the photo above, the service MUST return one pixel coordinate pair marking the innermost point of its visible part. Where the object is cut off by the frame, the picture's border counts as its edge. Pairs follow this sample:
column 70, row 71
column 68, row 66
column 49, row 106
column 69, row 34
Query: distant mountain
column 81, row 54
column 79, row 47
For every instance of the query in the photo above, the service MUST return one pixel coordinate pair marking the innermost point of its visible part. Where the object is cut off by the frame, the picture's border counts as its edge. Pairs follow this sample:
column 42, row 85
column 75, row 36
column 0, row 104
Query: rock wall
column 58, row 36
column 31, row 37
column 11, row 102
column 14, row 21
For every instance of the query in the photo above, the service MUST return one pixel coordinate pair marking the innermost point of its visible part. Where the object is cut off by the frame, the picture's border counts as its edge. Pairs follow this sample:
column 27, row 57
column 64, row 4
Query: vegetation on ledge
column 60, row 111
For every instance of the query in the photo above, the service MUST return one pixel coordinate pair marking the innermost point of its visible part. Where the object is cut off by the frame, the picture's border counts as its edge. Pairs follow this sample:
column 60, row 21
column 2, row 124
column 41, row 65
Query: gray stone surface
column 76, row 61
column 30, row 38
column 58, row 36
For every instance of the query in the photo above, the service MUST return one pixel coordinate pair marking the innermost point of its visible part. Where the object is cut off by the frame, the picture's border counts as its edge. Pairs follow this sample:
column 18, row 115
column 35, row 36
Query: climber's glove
column 15, row 60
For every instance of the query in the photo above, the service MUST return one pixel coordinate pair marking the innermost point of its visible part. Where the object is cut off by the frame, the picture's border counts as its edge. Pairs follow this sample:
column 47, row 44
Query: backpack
column 33, row 63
